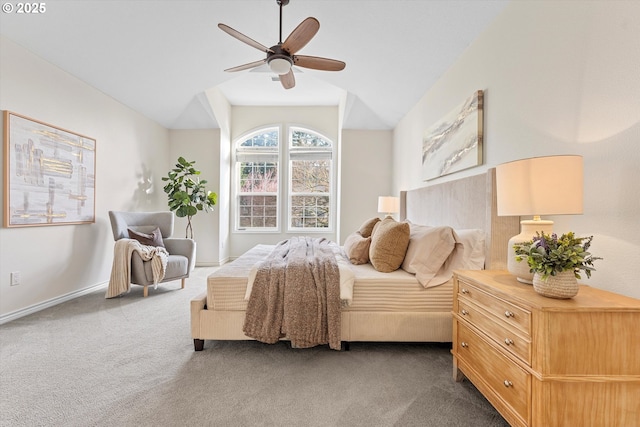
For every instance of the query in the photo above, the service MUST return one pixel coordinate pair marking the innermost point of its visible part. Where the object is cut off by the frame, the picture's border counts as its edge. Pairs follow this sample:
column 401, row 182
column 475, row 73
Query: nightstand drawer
column 504, row 336
column 509, row 313
column 508, row 381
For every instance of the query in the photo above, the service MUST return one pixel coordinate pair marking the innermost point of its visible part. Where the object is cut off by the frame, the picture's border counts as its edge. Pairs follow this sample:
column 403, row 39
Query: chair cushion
column 177, row 267
column 154, row 238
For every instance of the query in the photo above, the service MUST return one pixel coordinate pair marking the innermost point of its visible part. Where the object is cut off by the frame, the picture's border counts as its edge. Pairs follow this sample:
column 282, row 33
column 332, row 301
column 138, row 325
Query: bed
column 385, row 306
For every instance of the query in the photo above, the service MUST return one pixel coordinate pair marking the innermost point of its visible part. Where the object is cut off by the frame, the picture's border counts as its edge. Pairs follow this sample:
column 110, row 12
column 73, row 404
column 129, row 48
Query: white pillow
column 469, row 253
column 429, row 248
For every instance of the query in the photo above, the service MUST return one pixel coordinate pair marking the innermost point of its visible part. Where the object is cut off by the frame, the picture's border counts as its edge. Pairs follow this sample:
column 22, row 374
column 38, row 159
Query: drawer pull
column 464, row 344
column 509, row 314
column 464, row 312
column 508, row 341
column 464, row 291
column 508, row 383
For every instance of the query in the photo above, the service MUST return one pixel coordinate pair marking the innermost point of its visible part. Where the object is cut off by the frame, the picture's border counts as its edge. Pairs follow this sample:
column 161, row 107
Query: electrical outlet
column 15, row 278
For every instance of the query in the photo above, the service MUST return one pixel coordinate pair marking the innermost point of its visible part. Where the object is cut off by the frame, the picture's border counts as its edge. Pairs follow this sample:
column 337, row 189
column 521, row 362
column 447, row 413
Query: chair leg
column 183, row 279
column 145, row 292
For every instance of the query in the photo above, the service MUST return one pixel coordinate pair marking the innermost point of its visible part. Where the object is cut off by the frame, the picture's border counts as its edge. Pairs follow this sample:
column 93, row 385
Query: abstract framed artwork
column 455, row 142
column 49, row 174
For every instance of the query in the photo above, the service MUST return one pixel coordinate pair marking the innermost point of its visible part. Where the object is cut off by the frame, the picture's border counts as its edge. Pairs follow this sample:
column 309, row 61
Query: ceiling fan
column 281, row 57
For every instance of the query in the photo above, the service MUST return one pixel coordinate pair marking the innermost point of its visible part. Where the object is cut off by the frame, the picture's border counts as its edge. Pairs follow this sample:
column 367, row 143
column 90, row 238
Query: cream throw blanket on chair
column 120, row 281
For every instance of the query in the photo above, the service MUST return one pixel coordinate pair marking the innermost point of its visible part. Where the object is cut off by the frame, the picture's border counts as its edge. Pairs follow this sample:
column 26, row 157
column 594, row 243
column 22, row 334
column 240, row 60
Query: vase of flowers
column 556, row 262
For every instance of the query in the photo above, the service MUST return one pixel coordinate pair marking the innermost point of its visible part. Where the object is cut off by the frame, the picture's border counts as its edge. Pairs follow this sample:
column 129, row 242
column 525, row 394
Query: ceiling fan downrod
column 281, row 3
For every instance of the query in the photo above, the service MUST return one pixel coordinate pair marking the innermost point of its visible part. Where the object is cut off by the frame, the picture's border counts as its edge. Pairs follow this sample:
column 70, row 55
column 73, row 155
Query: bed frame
column 468, row 202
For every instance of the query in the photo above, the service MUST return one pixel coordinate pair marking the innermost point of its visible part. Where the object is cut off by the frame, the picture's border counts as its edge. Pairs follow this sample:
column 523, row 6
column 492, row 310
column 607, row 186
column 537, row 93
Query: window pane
column 310, row 212
column 258, row 177
column 301, row 138
column 263, row 139
column 258, row 211
column 310, row 176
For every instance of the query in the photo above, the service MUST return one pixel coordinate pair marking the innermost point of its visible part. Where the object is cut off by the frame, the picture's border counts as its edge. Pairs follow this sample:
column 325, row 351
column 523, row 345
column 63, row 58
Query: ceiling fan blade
column 253, row 64
column 248, row 40
column 301, row 35
column 317, row 63
column 287, row 80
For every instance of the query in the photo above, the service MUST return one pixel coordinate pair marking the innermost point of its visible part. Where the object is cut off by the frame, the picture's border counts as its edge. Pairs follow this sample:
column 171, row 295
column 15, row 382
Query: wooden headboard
column 469, row 202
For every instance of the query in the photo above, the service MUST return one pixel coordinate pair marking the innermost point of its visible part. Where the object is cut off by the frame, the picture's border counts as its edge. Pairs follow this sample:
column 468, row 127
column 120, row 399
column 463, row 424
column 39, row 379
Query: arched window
column 308, row 181
column 310, row 172
column 257, row 180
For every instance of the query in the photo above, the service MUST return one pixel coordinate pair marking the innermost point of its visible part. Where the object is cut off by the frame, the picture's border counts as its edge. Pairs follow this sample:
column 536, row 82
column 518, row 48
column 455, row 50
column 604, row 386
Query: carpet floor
column 129, row 361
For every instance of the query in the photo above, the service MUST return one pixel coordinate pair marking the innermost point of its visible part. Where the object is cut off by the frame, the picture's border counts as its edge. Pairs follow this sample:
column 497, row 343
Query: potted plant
column 187, row 193
column 556, row 262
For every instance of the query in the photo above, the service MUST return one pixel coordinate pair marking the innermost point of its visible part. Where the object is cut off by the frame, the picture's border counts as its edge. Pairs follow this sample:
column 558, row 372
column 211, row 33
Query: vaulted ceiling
column 159, row 57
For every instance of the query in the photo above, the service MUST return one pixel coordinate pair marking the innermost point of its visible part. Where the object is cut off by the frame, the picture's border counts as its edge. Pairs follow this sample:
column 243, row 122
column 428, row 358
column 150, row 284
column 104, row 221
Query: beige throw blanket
column 296, row 294
column 120, row 280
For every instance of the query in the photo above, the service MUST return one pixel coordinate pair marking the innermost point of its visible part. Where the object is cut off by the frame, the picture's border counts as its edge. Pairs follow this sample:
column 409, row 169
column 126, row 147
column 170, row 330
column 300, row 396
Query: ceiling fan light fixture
column 280, row 65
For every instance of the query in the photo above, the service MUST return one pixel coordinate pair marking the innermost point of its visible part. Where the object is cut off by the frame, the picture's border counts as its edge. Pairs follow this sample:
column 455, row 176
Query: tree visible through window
column 310, row 182
column 257, row 159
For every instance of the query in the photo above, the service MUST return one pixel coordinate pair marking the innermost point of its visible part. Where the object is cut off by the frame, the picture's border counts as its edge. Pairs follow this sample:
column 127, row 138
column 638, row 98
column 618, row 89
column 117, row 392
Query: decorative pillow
column 469, row 254
column 367, row 228
column 429, row 248
column 388, row 245
column 152, row 239
column 357, row 248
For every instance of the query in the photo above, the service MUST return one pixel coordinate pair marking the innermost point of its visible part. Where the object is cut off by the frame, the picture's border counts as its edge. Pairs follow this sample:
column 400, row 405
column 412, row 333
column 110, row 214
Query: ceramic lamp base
column 528, row 229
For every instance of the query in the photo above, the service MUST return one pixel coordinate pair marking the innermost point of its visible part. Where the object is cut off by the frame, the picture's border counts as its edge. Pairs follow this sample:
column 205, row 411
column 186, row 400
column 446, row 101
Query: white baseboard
column 49, row 303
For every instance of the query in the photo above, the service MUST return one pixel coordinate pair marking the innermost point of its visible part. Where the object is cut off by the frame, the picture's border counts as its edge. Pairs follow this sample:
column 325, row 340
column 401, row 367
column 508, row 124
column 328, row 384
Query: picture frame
column 455, row 142
column 49, row 174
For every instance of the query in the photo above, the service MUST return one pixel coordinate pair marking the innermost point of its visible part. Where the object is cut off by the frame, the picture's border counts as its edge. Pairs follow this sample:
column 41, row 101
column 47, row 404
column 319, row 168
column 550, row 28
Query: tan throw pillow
column 357, row 248
column 429, row 248
column 152, row 239
column 367, row 228
column 388, row 245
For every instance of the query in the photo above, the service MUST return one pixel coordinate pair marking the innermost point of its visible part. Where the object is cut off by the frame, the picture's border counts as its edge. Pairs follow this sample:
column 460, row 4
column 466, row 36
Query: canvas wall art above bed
column 397, row 294
column 454, row 143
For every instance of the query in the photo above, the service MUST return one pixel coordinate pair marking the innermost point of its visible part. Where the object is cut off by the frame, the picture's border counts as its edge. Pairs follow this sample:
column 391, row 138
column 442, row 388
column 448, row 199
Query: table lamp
column 537, row 186
column 389, row 205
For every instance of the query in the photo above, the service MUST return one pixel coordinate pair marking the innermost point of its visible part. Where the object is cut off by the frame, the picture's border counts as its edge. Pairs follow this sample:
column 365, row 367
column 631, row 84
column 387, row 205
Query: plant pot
column 563, row 285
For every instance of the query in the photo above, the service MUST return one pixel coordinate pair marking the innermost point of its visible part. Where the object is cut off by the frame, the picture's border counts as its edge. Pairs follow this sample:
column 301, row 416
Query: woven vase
column 563, row 285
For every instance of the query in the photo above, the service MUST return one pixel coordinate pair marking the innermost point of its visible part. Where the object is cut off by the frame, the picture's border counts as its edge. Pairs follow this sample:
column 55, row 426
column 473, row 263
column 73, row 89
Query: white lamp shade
column 280, row 66
column 540, row 186
column 388, row 204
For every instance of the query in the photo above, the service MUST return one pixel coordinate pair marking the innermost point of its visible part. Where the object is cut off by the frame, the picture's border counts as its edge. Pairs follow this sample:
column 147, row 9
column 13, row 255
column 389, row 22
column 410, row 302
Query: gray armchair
column 182, row 251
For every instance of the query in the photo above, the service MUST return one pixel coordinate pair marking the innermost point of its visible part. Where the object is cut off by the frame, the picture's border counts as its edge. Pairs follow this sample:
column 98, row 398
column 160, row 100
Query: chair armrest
column 184, row 247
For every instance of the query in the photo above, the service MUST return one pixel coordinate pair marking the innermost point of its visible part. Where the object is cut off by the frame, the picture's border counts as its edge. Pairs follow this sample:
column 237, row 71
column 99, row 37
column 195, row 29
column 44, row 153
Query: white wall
column 222, row 111
column 366, row 156
column 62, row 260
column 203, row 147
column 559, row 78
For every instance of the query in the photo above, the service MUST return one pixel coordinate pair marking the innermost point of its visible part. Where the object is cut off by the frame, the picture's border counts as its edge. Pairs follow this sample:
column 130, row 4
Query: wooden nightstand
column 547, row 362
